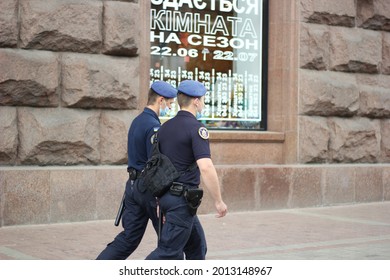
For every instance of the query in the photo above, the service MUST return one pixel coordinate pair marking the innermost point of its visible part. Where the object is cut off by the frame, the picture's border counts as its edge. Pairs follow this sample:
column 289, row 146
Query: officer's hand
column 221, row 209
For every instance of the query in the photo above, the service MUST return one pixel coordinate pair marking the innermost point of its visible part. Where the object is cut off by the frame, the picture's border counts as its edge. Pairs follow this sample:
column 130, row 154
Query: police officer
column 140, row 205
column 185, row 141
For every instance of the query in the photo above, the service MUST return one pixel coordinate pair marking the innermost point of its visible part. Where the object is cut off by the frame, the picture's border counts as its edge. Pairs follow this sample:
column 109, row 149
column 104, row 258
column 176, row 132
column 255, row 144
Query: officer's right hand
column 221, row 209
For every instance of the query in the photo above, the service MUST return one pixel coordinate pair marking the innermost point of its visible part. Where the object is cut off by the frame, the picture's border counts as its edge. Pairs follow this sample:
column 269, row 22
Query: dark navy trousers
column 181, row 232
column 140, row 206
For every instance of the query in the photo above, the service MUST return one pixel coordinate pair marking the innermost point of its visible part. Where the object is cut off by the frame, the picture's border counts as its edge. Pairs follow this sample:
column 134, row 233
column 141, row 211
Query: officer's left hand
column 221, row 209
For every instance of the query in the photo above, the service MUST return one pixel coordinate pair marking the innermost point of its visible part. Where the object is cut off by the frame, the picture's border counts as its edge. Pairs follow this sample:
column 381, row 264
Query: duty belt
column 179, row 188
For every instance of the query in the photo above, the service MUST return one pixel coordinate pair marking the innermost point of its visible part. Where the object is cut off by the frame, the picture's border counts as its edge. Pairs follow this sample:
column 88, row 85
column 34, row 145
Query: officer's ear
column 196, row 102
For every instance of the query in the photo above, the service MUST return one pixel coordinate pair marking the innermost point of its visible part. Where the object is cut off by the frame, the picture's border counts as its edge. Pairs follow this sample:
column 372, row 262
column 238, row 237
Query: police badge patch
column 204, row 133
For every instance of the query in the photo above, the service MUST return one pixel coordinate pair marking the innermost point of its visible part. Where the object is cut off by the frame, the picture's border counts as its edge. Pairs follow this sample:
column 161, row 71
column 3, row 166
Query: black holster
column 193, row 198
column 133, row 173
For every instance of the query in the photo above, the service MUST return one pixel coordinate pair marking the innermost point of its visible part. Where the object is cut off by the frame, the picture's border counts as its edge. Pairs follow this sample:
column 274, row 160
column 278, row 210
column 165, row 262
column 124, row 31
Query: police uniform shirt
column 184, row 140
column 139, row 140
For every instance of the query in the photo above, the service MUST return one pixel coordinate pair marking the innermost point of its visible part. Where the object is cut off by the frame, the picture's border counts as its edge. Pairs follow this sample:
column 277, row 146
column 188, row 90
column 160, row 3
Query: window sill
column 247, row 136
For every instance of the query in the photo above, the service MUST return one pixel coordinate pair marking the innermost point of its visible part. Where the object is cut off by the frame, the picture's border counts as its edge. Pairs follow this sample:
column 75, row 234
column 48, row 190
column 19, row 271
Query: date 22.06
column 248, row 270
column 217, row 54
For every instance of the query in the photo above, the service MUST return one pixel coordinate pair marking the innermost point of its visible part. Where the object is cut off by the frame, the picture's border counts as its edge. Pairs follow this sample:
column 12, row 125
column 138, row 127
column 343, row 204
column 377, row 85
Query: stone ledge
column 246, row 136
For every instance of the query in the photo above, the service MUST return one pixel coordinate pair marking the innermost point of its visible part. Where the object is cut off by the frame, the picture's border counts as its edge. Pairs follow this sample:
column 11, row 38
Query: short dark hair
column 183, row 100
column 152, row 97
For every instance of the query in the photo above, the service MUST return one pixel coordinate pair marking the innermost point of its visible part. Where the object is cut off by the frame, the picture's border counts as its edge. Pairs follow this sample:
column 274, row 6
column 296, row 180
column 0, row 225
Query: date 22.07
column 193, row 53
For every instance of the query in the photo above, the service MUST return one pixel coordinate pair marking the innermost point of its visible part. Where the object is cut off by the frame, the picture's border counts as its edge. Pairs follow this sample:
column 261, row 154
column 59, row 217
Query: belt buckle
column 176, row 189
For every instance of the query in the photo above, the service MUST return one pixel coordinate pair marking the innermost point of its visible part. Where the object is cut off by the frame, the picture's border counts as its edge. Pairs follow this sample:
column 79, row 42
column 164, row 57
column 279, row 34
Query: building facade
column 73, row 75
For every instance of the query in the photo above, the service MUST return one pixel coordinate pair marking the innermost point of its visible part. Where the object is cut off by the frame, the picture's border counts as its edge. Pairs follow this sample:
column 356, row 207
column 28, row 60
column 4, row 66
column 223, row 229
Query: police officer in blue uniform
column 185, row 141
column 139, row 204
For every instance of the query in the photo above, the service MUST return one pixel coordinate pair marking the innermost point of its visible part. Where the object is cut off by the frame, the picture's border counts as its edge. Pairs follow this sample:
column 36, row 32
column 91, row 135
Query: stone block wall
column 69, row 89
column 344, row 95
column 69, row 81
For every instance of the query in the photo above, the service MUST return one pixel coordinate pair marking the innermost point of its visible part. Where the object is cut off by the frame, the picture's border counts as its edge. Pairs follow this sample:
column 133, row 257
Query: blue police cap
column 192, row 88
column 164, row 89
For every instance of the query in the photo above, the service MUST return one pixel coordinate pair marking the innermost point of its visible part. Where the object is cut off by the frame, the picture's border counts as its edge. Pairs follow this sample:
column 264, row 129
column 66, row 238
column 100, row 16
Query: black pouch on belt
column 176, row 189
column 193, row 198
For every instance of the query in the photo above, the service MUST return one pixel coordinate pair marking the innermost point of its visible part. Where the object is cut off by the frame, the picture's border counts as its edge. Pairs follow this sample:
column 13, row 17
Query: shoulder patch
column 203, row 133
column 152, row 138
column 155, row 129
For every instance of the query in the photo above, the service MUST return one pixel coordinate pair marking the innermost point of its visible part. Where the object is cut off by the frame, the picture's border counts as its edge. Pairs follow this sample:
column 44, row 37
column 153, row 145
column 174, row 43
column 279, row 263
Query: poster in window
column 216, row 42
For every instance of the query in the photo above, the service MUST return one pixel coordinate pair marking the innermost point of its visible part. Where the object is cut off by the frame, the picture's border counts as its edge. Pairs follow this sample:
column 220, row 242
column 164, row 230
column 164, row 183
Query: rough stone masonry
column 70, row 86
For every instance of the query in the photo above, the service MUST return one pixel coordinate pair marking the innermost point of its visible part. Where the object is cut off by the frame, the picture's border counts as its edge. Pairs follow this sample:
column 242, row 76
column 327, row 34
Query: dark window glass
column 221, row 43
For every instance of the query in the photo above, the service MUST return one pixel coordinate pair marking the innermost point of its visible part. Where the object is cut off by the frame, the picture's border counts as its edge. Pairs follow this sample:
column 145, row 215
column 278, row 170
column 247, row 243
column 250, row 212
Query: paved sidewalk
column 352, row 232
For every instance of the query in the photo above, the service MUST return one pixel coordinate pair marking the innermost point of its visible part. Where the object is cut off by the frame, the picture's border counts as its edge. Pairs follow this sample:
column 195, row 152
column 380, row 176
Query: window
column 221, row 43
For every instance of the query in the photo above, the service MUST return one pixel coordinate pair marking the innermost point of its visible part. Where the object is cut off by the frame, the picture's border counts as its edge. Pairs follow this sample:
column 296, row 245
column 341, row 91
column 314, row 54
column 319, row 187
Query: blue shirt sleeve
column 200, row 146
